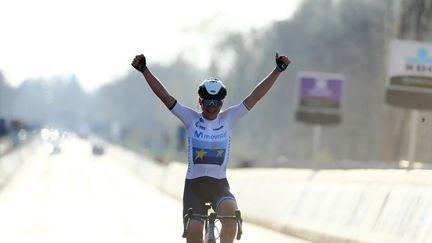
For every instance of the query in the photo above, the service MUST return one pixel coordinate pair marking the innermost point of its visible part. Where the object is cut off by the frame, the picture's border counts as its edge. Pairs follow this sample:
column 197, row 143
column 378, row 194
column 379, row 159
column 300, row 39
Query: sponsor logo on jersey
column 219, row 128
column 202, row 135
column 199, row 125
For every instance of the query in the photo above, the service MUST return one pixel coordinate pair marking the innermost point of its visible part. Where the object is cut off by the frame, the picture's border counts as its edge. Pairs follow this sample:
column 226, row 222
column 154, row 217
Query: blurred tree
column 416, row 20
column 5, row 97
column 59, row 101
column 345, row 36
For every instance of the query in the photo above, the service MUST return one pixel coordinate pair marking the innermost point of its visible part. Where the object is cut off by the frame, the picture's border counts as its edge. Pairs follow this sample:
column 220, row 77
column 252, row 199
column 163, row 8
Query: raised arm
column 158, row 88
column 264, row 86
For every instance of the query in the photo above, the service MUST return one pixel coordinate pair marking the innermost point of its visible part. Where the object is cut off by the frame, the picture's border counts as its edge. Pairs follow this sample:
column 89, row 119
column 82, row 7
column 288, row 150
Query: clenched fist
column 139, row 63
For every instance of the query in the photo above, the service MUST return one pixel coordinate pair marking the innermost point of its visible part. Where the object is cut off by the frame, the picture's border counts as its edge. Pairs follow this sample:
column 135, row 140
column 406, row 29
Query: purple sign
column 320, row 92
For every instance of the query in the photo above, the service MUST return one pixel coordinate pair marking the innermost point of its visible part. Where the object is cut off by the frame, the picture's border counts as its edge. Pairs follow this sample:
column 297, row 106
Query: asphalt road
column 74, row 196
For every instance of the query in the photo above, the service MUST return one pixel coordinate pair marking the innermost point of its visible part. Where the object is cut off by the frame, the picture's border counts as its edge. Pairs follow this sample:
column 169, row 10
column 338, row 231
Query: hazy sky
column 96, row 40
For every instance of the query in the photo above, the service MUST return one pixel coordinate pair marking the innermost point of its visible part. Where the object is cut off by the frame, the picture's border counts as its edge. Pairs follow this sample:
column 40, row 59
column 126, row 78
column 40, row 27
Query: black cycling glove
column 141, row 65
column 280, row 65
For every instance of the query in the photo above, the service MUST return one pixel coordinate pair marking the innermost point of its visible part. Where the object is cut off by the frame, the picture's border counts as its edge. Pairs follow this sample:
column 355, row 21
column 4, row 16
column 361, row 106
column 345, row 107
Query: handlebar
column 211, row 218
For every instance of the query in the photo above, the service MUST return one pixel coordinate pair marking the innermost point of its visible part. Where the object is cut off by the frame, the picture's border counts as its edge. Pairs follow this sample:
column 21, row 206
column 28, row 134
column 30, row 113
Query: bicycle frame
column 209, row 223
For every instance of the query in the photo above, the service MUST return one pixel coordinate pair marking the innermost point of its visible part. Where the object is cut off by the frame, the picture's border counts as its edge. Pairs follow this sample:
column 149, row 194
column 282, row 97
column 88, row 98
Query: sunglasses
column 210, row 102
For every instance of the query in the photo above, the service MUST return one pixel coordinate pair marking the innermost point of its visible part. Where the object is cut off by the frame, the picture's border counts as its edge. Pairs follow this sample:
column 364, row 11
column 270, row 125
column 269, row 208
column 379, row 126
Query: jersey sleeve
column 233, row 113
column 185, row 114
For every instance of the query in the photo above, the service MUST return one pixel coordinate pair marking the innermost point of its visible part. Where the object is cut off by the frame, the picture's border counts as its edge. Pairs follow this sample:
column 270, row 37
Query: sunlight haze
column 96, row 40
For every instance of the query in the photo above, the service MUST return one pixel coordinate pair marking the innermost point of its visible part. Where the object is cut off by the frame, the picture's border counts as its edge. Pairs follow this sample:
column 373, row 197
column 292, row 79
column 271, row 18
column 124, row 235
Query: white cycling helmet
column 212, row 88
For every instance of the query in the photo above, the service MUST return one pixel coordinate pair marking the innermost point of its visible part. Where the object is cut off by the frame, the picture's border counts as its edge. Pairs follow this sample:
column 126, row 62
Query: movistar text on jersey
column 208, row 136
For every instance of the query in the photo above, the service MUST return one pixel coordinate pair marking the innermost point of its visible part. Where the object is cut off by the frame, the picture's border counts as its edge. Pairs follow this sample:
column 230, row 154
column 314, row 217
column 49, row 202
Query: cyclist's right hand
column 139, row 63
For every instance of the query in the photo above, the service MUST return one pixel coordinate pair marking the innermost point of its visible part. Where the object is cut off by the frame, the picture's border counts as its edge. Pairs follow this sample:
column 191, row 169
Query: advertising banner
column 410, row 66
column 320, row 92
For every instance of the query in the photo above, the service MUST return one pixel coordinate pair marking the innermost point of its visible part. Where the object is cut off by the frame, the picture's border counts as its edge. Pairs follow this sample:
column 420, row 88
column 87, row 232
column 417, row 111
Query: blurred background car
column 98, row 149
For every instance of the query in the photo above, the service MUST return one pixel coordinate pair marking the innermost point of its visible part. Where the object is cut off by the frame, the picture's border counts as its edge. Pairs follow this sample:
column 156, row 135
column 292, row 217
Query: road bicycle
column 210, row 223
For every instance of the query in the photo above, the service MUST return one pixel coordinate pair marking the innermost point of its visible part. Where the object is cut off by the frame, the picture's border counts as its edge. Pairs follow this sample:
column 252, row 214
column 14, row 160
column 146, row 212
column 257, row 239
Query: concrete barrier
column 330, row 205
column 149, row 170
column 11, row 161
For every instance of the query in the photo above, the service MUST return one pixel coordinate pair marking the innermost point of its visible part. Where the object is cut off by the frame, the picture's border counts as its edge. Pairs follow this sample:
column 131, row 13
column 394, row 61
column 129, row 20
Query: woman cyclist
column 208, row 135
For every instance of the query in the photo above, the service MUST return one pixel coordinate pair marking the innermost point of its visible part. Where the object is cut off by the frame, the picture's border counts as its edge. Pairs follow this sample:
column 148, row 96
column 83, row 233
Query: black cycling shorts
column 201, row 190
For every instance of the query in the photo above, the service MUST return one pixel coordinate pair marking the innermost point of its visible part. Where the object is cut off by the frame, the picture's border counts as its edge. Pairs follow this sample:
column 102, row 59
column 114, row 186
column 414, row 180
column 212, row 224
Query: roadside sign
column 409, row 74
column 320, row 92
column 410, row 66
column 319, row 97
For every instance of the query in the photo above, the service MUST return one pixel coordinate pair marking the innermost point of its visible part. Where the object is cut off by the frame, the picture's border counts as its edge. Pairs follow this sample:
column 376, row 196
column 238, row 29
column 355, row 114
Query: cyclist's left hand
column 139, row 63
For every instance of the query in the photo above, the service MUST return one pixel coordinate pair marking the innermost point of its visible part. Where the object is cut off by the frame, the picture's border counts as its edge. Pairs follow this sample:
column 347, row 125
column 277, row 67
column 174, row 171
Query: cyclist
column 208, row 135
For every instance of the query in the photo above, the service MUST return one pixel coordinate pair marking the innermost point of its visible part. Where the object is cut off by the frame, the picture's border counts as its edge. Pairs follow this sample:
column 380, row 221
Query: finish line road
column 75, row 197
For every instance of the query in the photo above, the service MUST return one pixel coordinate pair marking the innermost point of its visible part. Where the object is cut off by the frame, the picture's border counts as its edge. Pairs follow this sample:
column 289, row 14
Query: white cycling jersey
column 208, row 140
